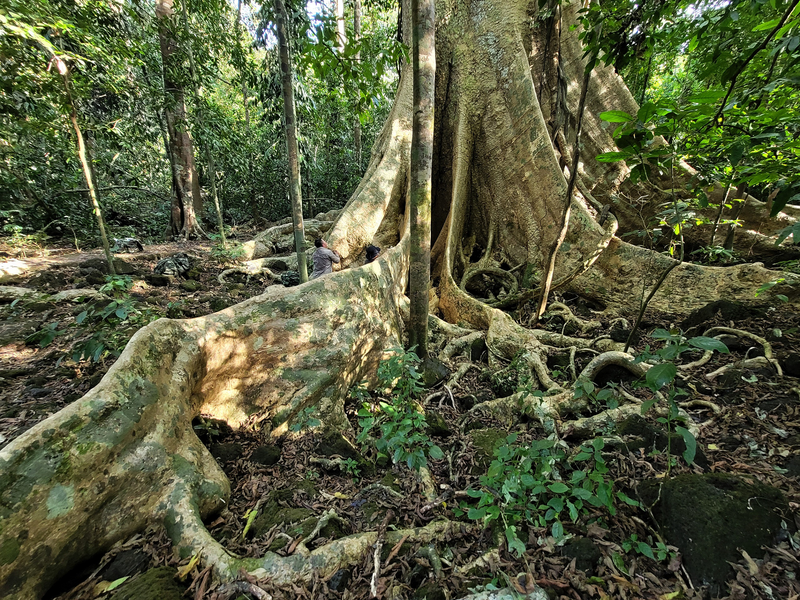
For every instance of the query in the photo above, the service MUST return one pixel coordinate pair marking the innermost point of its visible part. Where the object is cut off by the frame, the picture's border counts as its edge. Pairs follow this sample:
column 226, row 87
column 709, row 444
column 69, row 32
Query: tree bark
column 186, row 201
column 424, row 74
column 292, row 151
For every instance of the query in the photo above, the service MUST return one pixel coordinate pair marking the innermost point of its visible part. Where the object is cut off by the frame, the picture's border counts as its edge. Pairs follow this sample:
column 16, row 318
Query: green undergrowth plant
column 540, row 484
column 306, row 420
column 396, row 415
column 599, row 398
column 660, row 380
column 227, row 255
column 111, row 324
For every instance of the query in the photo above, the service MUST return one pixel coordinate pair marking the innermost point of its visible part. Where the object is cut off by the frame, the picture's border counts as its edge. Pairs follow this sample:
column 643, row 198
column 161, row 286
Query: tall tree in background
column 357, row 39
column 424, row 75
column 292, row 151
column 186, row 199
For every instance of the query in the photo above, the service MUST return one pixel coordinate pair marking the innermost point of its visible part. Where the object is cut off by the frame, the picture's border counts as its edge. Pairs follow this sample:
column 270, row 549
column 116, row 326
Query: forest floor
column 53, row 353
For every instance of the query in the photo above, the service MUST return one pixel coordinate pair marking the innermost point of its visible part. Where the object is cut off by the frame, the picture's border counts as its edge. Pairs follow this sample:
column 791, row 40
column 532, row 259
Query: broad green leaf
column 436, row 453
column 644, row 548
column 707, row 97
column 691, row 444
column 581, row 493
column 608, row 157
column 117, row 582
column 708, row 343
column 660, row 375
column 514, row 543
column 558, row 487
column 767, row 25
column 627, row 499
column 558, row 530
column 618, row 561
column 476, row 513
column 616, row 116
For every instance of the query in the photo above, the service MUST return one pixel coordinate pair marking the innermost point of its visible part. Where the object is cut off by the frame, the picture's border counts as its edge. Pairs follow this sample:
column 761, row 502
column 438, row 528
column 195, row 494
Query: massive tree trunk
column 125, row 455
column 186, row 199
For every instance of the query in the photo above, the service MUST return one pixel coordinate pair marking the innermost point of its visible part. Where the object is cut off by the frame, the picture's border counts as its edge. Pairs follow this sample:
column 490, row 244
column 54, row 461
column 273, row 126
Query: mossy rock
column 390, row 481
column 190, row 285
column 334, row 443
column 437, row 425
column 226, row 452
column 485, row 441
column 649, row 437
column 266, row 455
column 431, row 590
column 711, row 518
column 218, row 304
column 585, row 553
column 274, row 512
column 433, row 371
column 155, row 584
column 272, row 515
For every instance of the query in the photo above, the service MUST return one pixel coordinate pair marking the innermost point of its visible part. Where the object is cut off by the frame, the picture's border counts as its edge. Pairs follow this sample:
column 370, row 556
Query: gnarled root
column 557, row 309
column 190, row 537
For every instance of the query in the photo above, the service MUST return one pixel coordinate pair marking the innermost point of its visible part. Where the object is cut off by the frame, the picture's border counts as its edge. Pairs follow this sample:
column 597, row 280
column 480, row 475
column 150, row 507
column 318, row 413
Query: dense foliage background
column 722, row 75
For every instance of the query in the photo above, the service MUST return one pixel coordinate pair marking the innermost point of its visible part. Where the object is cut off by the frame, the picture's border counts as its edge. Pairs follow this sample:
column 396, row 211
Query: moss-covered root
column 190, row 538
column 501, row 594
column 126, row 454
column 563, row 402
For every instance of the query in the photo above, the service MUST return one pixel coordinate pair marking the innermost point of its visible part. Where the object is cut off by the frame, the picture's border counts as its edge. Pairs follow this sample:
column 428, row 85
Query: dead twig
column 376, row 557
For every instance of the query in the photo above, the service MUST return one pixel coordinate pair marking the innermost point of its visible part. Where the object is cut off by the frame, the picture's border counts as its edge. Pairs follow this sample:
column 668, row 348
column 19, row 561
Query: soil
column 281, row 489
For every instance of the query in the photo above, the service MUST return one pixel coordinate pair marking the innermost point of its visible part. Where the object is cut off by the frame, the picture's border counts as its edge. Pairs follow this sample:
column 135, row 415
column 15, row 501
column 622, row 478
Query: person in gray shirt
column 323, row 258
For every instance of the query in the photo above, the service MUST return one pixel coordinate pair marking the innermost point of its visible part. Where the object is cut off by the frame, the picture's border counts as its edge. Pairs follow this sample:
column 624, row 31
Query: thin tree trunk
column 341, row 35
column 357, row 123
column 547, row 280
column 85, row 167
column 424, row 69
column 187, row 201
column 291, row 140
column 199, row 93
column 245, row 94
column 719, row 215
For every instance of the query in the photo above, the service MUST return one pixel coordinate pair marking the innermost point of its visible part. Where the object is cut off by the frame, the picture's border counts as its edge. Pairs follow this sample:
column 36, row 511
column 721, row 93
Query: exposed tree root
column 508, row 592
column 759, row 362
column 587, row 427
column 379, row 487
column 563, row 311
column 298, row 568
column 10, row 293
column 462, row 370
column 560, row 402
column 461, row 344
column 746, row 334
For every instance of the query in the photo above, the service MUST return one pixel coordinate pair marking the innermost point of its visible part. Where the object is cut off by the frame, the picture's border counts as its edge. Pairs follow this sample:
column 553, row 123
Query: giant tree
column 126, row 455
